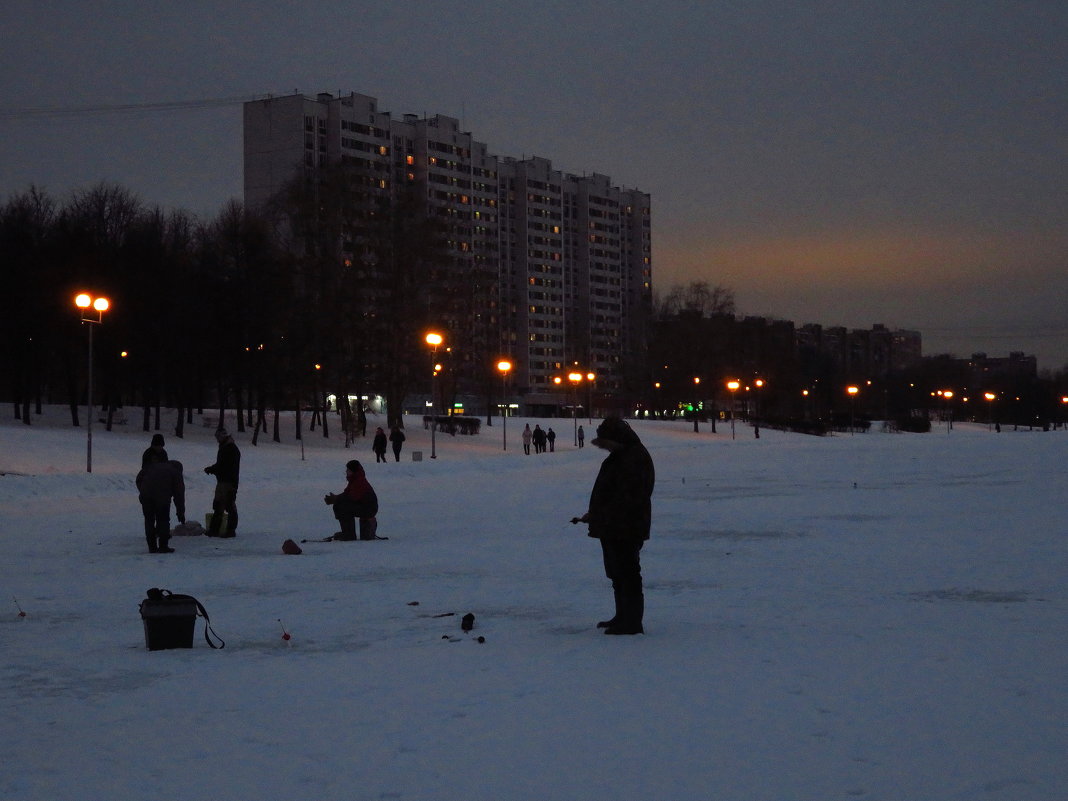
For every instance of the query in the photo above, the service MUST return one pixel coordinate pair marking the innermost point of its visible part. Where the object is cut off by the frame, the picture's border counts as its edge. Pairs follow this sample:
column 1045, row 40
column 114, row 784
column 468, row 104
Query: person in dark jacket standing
column 379, row 445
column 396, row 436
column 620, row 515
column 154, row 452
column 357, row 500
column 227, row 470
column 158, row 483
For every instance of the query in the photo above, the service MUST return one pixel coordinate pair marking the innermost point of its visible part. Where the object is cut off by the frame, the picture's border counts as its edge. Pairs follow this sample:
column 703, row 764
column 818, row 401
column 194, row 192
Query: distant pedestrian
column 527, row 436
column 619, row 515
column 581, row 437
column 396, row 436
column 154, row 452
column 227, row 471
column 550, row 437
column 159, row 482
column 538, row 438
column 378, row 445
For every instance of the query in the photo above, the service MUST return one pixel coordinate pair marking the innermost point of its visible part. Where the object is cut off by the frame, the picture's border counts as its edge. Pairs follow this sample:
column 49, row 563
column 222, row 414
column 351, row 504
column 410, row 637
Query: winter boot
column 629, row 619
column 620, row 601
column 163, row 547
column 151, row 538
column 348, row 529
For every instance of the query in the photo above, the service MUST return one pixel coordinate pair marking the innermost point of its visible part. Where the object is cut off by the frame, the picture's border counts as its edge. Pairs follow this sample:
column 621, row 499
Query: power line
column 123, row 108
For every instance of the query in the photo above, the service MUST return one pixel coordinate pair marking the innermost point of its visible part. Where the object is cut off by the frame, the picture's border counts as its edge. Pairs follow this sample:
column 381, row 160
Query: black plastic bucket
column 169, row 622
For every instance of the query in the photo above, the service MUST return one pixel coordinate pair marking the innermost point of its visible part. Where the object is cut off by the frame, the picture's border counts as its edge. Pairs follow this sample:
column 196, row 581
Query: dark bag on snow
column 169, row 620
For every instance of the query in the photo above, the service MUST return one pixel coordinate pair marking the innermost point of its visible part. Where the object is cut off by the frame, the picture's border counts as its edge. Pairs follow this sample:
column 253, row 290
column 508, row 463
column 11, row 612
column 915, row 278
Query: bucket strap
column 204, row 614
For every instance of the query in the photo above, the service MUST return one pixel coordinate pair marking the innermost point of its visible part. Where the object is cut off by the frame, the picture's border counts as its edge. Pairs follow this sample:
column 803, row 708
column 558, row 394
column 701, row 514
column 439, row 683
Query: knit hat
column 613, row 429
column 354, row 466
column 157, row 439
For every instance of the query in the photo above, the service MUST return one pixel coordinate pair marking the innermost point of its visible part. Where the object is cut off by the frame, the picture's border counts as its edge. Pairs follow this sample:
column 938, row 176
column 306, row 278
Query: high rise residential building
column 550, row 269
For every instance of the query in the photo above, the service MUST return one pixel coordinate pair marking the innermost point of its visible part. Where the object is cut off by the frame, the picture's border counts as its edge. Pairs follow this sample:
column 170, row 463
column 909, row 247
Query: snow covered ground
column 880, row 616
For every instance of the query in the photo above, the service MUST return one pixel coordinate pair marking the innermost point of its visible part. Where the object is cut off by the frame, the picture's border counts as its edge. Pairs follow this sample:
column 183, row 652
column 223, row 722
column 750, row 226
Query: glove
column 209, row 470
column 329, row 499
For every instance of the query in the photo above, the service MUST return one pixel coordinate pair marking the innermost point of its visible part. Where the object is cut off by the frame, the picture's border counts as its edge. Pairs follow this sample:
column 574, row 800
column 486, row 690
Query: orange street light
column 434, row 340
column 733, row 386
column 852, row 390
column 503, row 366
column 85, row 302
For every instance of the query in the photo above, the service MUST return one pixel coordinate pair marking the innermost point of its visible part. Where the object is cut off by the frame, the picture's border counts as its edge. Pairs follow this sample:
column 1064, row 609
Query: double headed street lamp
column 88, row 305
column 434, row 340
column 504, row 366
column 575, row 379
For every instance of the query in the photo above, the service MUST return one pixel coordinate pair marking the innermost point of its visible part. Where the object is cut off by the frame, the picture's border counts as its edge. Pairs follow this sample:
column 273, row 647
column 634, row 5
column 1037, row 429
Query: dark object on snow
column 467, row 622
column 169, row 620
column 480, row 638
column 291, row 548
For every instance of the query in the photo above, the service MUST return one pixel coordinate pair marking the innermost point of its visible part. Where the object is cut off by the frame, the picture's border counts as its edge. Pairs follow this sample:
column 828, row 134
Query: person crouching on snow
column 357, row 500
column 158, row 482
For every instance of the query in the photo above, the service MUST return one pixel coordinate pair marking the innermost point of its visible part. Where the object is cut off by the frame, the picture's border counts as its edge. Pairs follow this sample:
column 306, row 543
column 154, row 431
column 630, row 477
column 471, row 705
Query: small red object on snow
column 291, row 548
column 16, row 600
column 285, row 634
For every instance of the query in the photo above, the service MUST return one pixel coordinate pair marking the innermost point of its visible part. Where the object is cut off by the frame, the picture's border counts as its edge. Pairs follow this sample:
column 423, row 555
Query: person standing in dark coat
column 538, row 437
column 379, row 445
column 550, row 437
column 158, row 483
column 227, row 471
column 396, row 436
column 357, row 500
column 620, row 516
column 154, row 452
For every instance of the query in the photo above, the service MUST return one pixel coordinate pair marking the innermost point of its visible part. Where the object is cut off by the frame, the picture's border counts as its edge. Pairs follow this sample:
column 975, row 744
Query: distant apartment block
column 566, row 259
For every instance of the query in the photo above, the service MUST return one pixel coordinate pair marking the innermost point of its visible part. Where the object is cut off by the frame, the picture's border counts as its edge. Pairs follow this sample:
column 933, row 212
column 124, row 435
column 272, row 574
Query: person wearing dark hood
column 154, row 452
column 379, row 445
column 227, row 471
column 620, row 515
column 158, row 483
column 396, row 436
column 357, row 500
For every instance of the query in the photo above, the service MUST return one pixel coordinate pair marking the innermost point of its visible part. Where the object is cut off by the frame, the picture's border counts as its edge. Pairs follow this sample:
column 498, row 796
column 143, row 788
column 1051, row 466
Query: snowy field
column 880, row 616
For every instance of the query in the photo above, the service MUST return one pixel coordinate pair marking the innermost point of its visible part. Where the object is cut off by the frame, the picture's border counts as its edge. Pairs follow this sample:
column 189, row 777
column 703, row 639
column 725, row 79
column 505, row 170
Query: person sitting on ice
column 357, row 500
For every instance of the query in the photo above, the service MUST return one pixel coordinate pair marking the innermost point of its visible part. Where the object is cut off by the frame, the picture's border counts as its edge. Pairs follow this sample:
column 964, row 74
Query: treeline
column 252, row 312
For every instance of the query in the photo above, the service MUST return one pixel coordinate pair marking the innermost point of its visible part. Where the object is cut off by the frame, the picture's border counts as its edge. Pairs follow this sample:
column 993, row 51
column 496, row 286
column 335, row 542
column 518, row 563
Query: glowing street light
column 947, row 396
column 733, row 386
column 575, row 379
column 100, row 305
column 852, row 390
column 434, row 340
column 504, row 366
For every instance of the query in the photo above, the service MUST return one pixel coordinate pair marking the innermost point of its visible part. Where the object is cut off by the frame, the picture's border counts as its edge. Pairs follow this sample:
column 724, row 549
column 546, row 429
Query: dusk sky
column 843, row 163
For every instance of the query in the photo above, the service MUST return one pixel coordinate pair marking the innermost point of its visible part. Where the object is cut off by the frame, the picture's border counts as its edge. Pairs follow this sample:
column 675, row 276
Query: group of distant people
column 378, row 444
column 619, row 512
column 161, row 481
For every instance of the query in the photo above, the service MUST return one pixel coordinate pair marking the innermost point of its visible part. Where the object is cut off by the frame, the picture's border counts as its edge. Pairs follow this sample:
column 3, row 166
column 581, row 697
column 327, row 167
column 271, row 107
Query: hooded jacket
column 158, row 482
column 621, row 502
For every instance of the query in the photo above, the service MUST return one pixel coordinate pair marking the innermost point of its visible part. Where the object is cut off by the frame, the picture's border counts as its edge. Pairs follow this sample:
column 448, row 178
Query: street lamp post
column 589, row 397
column 99, row 305
column 434, row 340
column 696, row 386
column 504, row 366
column 574, row 378
column 852, row 390
column 947, row 396
column 733, row 385
column 990, row 398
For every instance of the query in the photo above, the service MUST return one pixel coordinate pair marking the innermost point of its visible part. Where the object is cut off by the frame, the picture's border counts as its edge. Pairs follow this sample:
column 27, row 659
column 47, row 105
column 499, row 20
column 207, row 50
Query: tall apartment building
column 548, row 268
